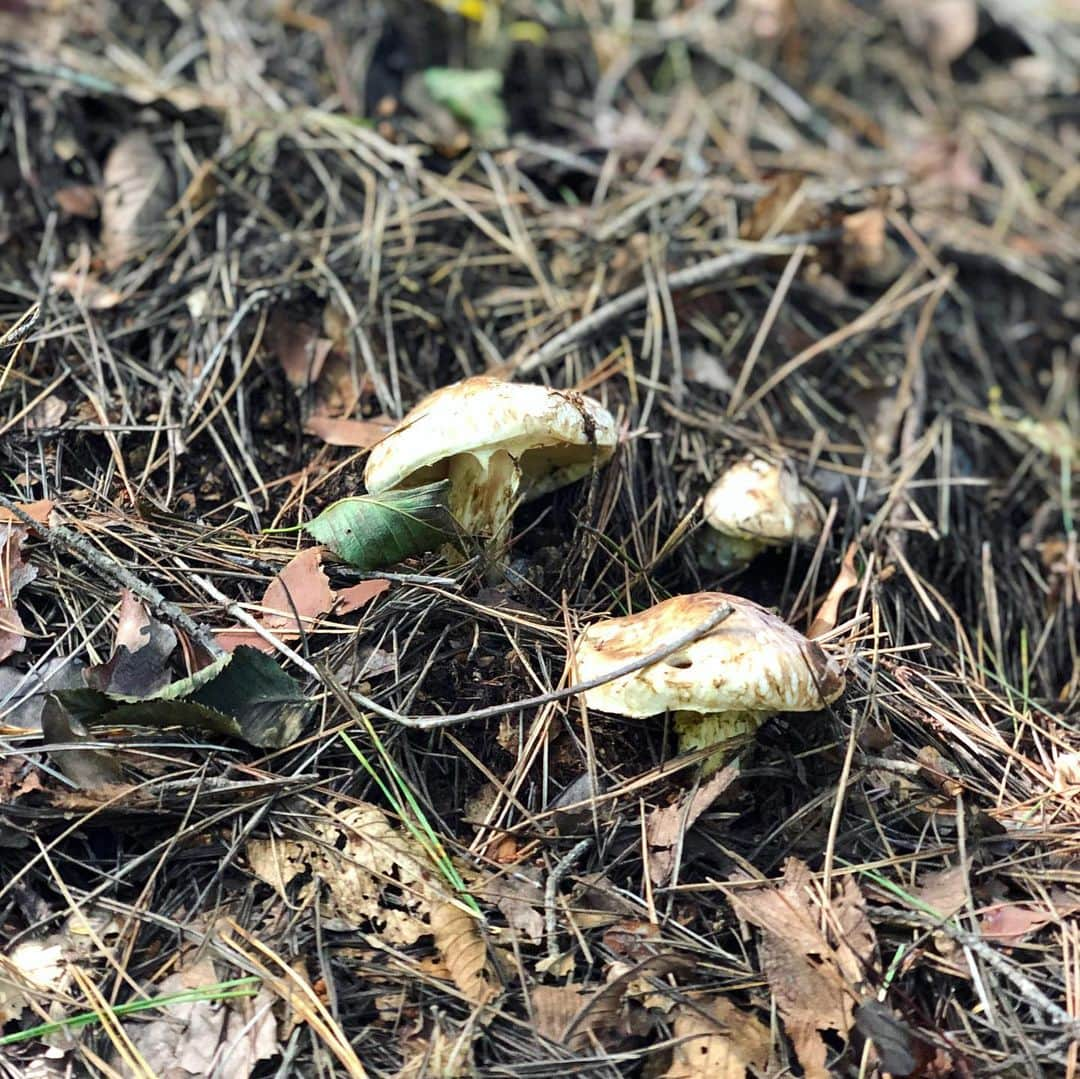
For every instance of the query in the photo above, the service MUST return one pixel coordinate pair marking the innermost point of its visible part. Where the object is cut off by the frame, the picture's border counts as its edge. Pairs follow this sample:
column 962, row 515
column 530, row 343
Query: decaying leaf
column 23, row 693
column 298, row 346
column 138, row 190
column 463, row 950
column 1010, row 923
column 243, row 695
column 437, row 1050
column 138, row 666
column 815, row 956
column 15, row 574
column 371, row 874
column 520, row 898
column 371, row 531
column 87, row 768
column 665, row 826
column 295, row 599
column 32, row 967
column 716, row 1040
column 946, row 890
column 205, row 1037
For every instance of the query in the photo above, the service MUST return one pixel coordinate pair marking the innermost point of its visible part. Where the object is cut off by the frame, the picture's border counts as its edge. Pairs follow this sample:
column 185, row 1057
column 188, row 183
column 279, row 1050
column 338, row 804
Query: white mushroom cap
column 758, row 500
column 495, row 441
column 752, row 662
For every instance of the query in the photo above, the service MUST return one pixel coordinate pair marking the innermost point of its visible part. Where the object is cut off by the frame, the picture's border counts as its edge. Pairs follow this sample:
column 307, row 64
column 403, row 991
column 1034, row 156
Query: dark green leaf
column 372, row 531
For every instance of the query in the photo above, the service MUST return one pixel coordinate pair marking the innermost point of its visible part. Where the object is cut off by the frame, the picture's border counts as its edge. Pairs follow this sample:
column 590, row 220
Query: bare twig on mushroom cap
column 427, row 723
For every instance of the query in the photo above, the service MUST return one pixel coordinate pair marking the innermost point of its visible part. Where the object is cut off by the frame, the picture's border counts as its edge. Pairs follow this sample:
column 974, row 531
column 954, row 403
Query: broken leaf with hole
column 371, row 531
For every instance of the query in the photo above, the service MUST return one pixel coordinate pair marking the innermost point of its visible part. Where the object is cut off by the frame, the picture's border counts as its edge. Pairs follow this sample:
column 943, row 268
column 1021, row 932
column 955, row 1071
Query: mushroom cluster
column 723, row 685
column 498, row 443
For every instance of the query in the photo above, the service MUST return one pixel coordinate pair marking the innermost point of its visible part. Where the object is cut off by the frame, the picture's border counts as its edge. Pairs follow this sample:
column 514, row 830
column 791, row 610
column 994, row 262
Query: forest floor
column 241, row 240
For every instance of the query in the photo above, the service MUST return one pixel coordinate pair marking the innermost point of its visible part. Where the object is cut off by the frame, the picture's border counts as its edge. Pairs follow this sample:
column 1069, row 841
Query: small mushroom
column 757, row 504
column 497, row 442
column 722, row 686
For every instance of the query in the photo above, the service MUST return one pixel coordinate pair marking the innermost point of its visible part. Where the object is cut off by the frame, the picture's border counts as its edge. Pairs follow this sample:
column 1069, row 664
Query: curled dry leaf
column 464, row 950
column 716, row 1040
column 828, row 613
column 15, row 574
column 138, row 190
column 665, row 826
column 815, row 960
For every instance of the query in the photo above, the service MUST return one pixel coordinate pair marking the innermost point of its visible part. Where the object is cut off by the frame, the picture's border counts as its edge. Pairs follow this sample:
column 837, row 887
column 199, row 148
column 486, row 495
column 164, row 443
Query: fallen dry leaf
column 520, row 898
column 360, row 595
column 1010, row 923
column 78, row 200
column 434, row 1051
column 1066, row 772
column 139, row 664
column 137, row 192
column 15, row 574
column 464, row 950
column 205, row 1037
column 342, row 431
column 298, row 348
column 946, row 890
column 665, row 826
column 86, row 288
column 716, row 1040
column 38, row 511
column 827, row 614
column 553, row 1009
column 295, row 599
column 814, row 956
column 782, row 209
column 32, row 967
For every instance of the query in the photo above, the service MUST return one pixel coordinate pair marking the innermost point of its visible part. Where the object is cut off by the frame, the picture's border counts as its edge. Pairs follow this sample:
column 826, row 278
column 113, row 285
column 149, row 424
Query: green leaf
column 244, row 695
column 372, row 531
column 474, row 97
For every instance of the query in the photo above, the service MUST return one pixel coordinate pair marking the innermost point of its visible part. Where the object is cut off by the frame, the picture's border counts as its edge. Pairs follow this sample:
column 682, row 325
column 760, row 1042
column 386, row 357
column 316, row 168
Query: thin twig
column 701, row 274
column 427, row 723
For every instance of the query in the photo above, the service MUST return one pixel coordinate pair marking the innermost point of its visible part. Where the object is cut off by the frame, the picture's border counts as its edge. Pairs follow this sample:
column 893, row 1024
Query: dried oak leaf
column 716, row 1040
column 139, row 664
column 814, row 957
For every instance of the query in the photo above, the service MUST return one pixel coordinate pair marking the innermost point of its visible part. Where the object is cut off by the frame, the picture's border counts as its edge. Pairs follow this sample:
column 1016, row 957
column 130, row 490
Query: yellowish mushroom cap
column 495, row 441
column 752, row 662
column 758, row 500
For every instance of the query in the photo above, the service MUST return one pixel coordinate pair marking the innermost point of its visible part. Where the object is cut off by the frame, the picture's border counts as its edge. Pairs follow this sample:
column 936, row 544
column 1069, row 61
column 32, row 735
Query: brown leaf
column 137, row 192
column 464, row 951
column 664, row 826
column 38, row 511
column 813, row 959
column 87, row 289
column 298, row 347
column 553, row 1010
column 945, row 890
column 295, row 599
column 78, row 200
column 827, row 614
column 716, row 1040
column 781, row 209
column 15, row 574
column 1010, row 923
column 360, row 595
column 520, row 898
column 139, row 664
column 205, row 1037
column 342, row 431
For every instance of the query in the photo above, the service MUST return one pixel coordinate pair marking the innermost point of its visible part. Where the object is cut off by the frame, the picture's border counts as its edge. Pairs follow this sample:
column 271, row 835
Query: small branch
column 71, row 543
column 427, row 723
column 700, row 274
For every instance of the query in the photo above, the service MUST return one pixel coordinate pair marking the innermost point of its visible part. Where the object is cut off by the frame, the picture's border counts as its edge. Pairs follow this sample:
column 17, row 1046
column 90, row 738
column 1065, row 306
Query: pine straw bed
column 934, row 805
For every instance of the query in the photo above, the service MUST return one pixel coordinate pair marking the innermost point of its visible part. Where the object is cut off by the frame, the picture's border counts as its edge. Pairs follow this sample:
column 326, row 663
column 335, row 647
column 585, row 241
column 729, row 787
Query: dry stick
column 427, row 723
column 63, row 539
column 700, row 274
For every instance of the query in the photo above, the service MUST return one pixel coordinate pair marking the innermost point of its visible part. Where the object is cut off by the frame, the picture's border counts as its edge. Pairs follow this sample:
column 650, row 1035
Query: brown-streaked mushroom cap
column 756, row 499
column 752, row 662
column 495, row 441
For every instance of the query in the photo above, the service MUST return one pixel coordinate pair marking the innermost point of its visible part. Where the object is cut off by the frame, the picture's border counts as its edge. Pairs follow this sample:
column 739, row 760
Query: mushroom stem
column 483, row 489
column 699, row 729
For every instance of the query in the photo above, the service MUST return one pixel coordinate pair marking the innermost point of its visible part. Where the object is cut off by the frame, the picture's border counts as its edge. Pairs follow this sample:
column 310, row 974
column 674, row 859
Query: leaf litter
column 736, row 244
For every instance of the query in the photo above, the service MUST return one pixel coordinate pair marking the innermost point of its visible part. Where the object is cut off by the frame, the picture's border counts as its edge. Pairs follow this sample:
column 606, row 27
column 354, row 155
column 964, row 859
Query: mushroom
column 722, row 686
column 757, row 504
column 496, row 442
